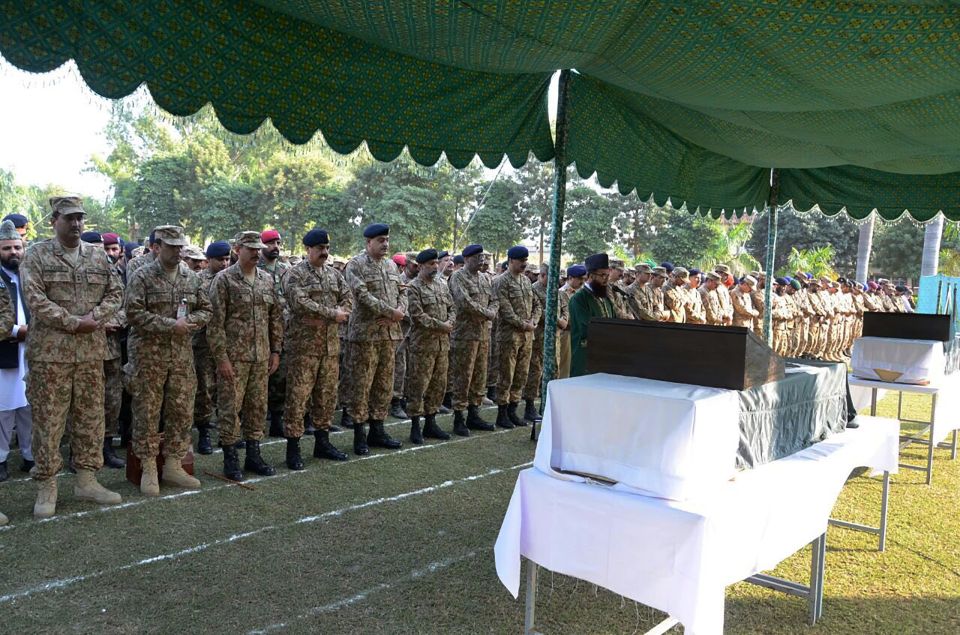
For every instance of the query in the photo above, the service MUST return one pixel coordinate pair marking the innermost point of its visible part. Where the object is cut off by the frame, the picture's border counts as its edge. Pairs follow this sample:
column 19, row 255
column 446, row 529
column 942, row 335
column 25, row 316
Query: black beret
column 218, row 249
column 376, row 229
column 91, row 237
column 782, row 281
column 668, row 266
column 518, row 252
column 472, row 250
column 153, row 237
column 427, row 255
column 316, row 237
column 597, row 261
column 442, row 253
column 18, row 220
column 576, row 271
column 695, row 272
column 458, row 260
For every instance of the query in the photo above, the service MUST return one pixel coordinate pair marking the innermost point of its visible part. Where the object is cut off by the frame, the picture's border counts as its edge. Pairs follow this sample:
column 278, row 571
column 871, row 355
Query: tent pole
column 771, row 255
column 556, row 242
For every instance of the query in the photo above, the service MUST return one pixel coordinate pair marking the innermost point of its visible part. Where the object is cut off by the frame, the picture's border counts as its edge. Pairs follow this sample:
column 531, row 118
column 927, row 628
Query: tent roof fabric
column 858, row 104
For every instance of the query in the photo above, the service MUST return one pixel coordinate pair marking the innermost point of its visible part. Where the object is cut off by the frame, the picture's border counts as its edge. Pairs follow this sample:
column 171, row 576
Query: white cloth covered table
column 903, row 361
column 946, row 406
column 678, row 556
column 661, row 438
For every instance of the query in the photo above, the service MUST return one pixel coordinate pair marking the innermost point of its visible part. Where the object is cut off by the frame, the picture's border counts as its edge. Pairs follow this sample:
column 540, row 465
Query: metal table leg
column 953, row 447
column 873, row 402
column 930, row 448
column 817, row 564
column 531, row 603
column 881, row 531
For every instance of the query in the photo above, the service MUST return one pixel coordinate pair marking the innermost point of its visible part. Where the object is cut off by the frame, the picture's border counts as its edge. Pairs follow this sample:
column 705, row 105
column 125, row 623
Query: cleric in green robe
column 589, row 302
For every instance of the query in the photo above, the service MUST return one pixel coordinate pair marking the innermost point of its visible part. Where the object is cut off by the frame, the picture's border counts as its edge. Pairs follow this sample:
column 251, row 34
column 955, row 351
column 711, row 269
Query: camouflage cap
column 615, row 263
column 750, row 281
column 193, row 253
column 249, row 239
column 722, row 269
column 643, row 268
column 712, row 275
column 659, row 271
column 532, row 268
column 171, row 235
column 681, row 273
column 66, row 205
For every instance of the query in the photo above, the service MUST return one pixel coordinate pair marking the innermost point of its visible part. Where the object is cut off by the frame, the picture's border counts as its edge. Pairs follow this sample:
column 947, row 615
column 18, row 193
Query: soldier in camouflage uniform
column 531, row 391
column 576, row 276
column 723, row 294
column 148, row 255
column 675, row 296
column 165, row 305
column 695, row 311
column 743, row 312
column 475, row 307
column 373, row 334
column 519, row 314
column 113, row 364
column 218, row 259
column 432, row 316
column 654, row 291
column 277, row 384
column 410, row 268
column 712, row 306
column 72, row 293
column 318, row 301
column 245, row 336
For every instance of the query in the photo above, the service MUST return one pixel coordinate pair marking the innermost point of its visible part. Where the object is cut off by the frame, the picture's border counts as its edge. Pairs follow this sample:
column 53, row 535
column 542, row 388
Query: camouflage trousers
column 400, row 368
column 246, row 397
column 468, row 372
column 277, row 387
column 427, row 381
column 170, row 389
column 493, row 368
column 203, row 404
column 343, row 387
column 532, row 388
column 57, row 390
column 513, row 364
column 370, row 378
column 311, row 380
column 112, row 395
column 563, row 355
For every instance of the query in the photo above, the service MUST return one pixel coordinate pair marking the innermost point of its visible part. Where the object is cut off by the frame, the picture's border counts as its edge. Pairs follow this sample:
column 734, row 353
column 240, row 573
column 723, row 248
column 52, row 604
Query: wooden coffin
column 716, row 356
column 908, row 326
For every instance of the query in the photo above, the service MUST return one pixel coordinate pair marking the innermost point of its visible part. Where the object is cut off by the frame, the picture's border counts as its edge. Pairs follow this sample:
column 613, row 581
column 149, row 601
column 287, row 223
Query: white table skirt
column 947, row 389
column 658, row 437
column 679, row 556
column 915, row 361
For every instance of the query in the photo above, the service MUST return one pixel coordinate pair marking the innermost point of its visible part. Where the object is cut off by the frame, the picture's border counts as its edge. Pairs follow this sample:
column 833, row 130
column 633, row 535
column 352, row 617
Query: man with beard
column 113, row 364
column 277, row 387
column 218, row 259
column 319, row 301
column 373, row 335
column 165, row 306
column 71, row 293
column 589, row 302
column 431, row 315
column 476, row 307
column 576, row 276
column 245, row 337
column 519, row 314
column 15, row 414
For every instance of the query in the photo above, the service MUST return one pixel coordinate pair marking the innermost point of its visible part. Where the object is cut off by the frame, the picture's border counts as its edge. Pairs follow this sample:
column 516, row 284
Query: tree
column 805, row 232
column 497, row 225
column 864, row 247
column 897, row 250
column 631, row 223
column 589, row 228
column 932, row 233
column 536, row 182
column 289, row 189
column 683, row 238
column 729, row 246
column 817, row 262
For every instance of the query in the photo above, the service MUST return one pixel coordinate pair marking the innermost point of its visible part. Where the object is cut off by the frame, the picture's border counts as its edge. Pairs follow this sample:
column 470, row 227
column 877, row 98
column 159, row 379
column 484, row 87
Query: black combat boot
column 276, row 423
column 512, row 415
column 492, row 393
column 110, row 458
column 416, row 437
column 530, row 412
column 294, row 460
column 379, row 437
column 231, row 463
column 254, row 462
column 346, row 421
column 503, row 421
column 432, row 430
column 323, row 449
column 447, row 406
column 360, row 446
column 4, row 475
column 396, row 409
column 203, row 439
column 308, row 424
column 476, row 422
column 459, row 425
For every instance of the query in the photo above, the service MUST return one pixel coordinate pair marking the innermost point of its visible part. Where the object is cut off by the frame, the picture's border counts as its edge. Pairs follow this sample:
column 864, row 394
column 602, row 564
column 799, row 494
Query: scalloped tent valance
column 856, row 104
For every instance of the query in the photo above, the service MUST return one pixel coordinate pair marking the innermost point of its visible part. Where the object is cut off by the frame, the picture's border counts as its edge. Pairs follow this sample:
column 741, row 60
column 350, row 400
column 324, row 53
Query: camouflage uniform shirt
column 315, row 293
column 430, row 307
column 472, row 295
column 247, row 322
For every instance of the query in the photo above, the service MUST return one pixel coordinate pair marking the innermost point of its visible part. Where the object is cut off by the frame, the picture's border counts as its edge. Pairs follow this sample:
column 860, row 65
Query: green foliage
column 498, row 224
column 685, row 239
column 897, row 250
column 589, row 229
column 806, row 232
column 818, row 262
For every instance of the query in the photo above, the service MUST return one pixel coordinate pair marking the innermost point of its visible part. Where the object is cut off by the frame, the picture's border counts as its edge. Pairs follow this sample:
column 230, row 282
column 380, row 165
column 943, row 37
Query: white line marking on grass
column 336, row 605
column 214, row 488
column 67, row 582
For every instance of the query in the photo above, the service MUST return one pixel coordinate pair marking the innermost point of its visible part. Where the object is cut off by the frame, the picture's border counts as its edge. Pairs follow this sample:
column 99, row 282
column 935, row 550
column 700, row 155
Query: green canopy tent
column 855, row 105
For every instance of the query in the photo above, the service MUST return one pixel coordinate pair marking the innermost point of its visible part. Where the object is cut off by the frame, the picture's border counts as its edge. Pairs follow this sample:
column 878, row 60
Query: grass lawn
column 403, row 542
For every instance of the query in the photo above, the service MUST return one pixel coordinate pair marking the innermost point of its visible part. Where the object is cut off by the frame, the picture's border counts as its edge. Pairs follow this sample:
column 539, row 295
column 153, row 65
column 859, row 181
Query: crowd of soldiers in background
column 238, row 339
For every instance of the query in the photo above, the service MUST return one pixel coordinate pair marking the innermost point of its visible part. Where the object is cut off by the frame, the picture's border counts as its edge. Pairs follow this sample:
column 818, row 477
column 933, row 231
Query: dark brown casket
column 909, row 326
column 715, row 356
column 135, row 468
